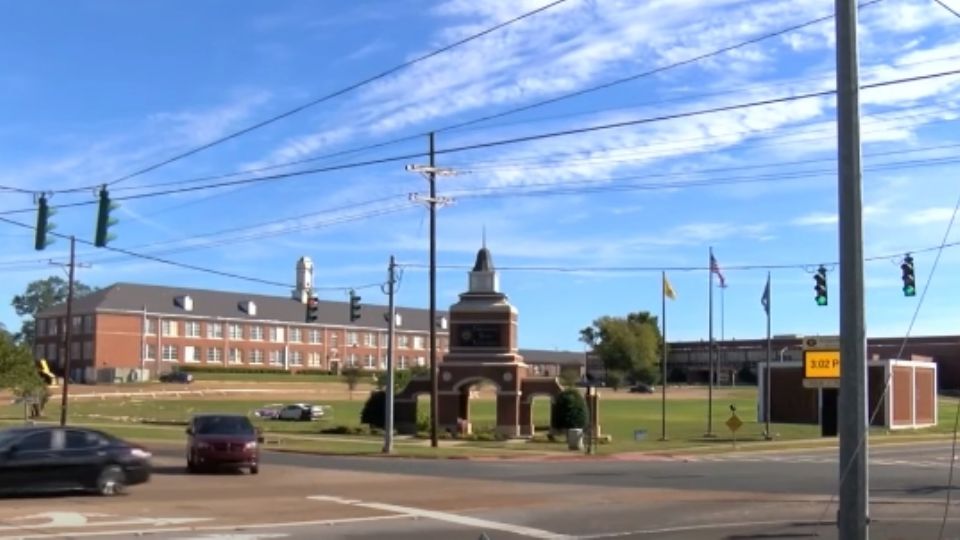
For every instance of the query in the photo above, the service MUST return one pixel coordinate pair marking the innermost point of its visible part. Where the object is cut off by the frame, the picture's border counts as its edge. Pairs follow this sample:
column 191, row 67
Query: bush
column 615, row 380
column 373, row 413
column 569, row 411
column 344, row 430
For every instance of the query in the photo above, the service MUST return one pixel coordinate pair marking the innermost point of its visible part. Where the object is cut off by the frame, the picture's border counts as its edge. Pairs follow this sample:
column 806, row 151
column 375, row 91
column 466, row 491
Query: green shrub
column 569, row 411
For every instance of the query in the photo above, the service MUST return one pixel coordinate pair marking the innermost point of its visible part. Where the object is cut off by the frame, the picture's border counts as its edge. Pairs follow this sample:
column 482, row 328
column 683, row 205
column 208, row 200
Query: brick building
column 129, row 326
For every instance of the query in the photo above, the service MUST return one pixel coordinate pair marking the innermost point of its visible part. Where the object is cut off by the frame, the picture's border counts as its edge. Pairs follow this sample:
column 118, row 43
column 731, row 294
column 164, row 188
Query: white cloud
column 925, row 216
column 816, row 219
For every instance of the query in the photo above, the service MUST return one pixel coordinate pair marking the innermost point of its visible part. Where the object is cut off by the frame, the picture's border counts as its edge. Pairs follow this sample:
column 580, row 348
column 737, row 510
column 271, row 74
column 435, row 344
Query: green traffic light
column 909, row 290
column 821, row 300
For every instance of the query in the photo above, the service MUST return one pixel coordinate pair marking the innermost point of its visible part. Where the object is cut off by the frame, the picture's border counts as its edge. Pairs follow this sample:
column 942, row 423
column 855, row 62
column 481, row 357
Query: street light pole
column 68, row 335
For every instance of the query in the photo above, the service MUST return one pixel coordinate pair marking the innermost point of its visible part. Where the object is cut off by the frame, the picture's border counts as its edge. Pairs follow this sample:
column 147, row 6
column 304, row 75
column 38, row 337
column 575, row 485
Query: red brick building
column 129, row 326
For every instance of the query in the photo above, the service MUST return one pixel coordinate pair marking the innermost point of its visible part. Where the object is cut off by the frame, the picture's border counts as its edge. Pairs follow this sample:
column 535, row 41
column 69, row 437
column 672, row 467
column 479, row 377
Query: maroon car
column 223, row 440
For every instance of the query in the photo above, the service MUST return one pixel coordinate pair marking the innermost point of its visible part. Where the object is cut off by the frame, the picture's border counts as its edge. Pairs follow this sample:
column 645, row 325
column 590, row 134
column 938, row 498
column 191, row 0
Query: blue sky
column 92, row 90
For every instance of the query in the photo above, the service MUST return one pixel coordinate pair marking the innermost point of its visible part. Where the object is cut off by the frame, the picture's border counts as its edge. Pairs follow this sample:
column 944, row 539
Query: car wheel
column 111, row 481
column 255, row 469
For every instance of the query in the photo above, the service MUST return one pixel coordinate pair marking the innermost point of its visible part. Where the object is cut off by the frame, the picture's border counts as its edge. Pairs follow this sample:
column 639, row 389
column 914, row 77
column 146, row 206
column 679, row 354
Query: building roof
column 561, row 358
column 156, row 299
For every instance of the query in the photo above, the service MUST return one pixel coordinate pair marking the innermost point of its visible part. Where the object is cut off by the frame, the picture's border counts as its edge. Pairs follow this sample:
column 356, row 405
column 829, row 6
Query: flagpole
column 766, row 384
column 710, row 348
column 663, row 360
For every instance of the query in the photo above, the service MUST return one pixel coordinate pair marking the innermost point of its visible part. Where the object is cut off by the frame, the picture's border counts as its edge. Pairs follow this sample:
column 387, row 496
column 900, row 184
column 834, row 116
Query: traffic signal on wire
column 313, row 303
column 821, row 286
column 44, row 226
column 354, row 306
column 909, row 279
column 104, row 221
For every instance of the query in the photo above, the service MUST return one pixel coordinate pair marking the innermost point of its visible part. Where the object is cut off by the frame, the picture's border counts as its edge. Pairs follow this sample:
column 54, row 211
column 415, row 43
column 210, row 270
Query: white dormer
column 442, row 323
column 249, row 307
column 184, row 302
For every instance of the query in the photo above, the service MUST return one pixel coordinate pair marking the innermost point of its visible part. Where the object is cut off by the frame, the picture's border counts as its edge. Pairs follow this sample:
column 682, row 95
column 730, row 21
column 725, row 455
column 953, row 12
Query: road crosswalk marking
column 936, row 462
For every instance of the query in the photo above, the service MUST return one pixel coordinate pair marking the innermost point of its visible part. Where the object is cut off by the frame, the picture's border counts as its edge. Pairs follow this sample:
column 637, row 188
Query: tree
column 615, row 380
column 630, row 345
column 18, row 373
column 352, row 376
column 40, row 295
column 374, row 412
column 569, row 411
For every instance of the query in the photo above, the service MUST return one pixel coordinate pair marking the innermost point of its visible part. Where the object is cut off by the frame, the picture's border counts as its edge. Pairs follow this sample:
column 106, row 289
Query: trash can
column 575, row 439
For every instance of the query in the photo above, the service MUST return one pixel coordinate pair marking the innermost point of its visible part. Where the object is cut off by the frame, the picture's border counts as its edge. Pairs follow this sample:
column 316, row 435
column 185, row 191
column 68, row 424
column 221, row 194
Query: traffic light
column 44, row 371
column 909, row 280
column 354, row 306
column 821, row 287
column 43, row 224
column 104, row 221
column 313, row 303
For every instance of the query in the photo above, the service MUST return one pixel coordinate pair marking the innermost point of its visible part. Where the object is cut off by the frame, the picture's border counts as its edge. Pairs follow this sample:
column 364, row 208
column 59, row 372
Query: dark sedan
column 53, row 459
column 177, row 377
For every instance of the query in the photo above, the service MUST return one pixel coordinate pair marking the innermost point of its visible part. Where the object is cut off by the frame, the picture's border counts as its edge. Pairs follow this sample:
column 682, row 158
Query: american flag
column 715, row 269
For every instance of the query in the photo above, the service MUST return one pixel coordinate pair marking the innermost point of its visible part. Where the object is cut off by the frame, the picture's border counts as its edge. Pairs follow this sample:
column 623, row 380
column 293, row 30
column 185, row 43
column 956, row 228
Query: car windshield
column 6, row 437
column 224, row 425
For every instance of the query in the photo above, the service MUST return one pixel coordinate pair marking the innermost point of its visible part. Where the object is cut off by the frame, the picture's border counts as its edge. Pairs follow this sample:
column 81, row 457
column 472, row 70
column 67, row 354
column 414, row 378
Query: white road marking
column 237, row 536
column 457, row 519
column 201, row 528
column 76, row 520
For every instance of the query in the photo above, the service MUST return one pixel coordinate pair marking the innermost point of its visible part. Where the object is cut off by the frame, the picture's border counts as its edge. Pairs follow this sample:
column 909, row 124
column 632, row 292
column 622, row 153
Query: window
column 88, row 324
column 352, row 360
column 313, row 360
column 191, row 354
column 191, row 329
column 51, row 351
column 369, row 340
column 149, row 351
column 403, row 363
column 421, row 361
column 351, row 338
column 256, row 333
column 168, row 328
column 38, row 351
column 214, row 355
column 170, row 353
column 314, row 336
column 236, row 356
column 77, row 324
column 88, row 350
column 256, row 357
column 276, row 334
column 275, row 358
column 52, row 327
column 403, row 342
column 82, row 440
column 295, row 335
column 296, row 358
column 75, row 350
column 418, row 342
column 42, row 327
column 36, row 442
column 370, row 362
column 149, row 326
column 384, row 342
column 235, row 330
column 333, row 340
column 214, row 330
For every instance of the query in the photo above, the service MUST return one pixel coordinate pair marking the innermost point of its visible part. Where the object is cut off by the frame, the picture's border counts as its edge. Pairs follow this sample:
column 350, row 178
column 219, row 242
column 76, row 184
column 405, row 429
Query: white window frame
column 88, row 324
column 296, row 358
column 236, row 355
column 370, row 361
column 295, row 335
column 369, row 339
column 214, row 355
column 191, row 354
column 149, row 327
column 276, row 357
column 352, row 339
column 314, row 360
column 256, row 332
column 316, row 336
column 419, row 342
column 149, row 352
column 235, row 331
column 256, row 357
column 403, row 342
column 174, row 357
column 276, row 334
column 169, row 328
column 191, row 329
column 214, row 330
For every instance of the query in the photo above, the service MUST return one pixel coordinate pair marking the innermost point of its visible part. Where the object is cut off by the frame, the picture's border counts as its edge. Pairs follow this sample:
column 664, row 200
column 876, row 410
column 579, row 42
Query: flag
column 715, row 269
column 765, row 299
column 668, row 290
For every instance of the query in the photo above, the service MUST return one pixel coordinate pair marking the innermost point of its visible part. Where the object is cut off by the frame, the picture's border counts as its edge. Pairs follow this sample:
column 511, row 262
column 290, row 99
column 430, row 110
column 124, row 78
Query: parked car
column 177, row 377
column 300, row 411
column 642, row 388
column 223, row 440
column 54, row 459
column 270, row 412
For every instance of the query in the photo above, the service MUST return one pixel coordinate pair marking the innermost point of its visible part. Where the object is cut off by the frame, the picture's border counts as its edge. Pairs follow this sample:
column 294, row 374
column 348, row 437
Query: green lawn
column 620, row 417
column 266, row 377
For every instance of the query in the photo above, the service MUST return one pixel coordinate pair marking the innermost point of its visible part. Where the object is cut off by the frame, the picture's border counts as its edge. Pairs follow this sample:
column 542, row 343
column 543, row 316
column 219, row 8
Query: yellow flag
column 668, row 290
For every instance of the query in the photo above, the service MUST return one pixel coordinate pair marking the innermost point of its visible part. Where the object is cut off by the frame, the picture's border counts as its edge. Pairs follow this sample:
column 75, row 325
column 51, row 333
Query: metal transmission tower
column 430, row 172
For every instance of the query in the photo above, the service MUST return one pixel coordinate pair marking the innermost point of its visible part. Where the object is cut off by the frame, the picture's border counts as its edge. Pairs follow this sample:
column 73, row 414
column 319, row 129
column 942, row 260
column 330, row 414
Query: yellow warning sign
column 734, row 423
column 821, row 364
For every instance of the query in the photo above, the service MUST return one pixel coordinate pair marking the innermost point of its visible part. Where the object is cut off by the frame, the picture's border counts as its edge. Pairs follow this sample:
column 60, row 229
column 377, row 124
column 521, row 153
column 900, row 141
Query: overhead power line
column 950, row 9
column 186, row 266
column 334, row 94
column 530, row 106
column 503, row 142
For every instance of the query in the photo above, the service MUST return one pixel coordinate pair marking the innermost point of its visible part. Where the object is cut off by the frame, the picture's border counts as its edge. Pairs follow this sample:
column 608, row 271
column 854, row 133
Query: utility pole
column 853, row 515
column 433, row 201
column 391, row 332
column 69, row 334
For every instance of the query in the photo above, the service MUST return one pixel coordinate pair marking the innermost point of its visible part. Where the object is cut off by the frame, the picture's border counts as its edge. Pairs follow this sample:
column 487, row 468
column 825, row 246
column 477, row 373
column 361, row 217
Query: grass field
column 266, row 377
column 620, row 417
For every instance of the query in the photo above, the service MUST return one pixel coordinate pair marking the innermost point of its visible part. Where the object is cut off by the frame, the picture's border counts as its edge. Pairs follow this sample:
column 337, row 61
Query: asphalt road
column 731, row 497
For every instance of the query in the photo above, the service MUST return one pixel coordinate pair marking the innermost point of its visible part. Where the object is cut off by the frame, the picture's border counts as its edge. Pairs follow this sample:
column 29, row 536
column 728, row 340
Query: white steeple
column 304, row 279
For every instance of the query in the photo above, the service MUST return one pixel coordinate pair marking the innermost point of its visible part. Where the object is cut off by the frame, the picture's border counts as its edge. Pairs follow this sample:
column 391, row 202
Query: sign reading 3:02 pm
column 821, row 364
